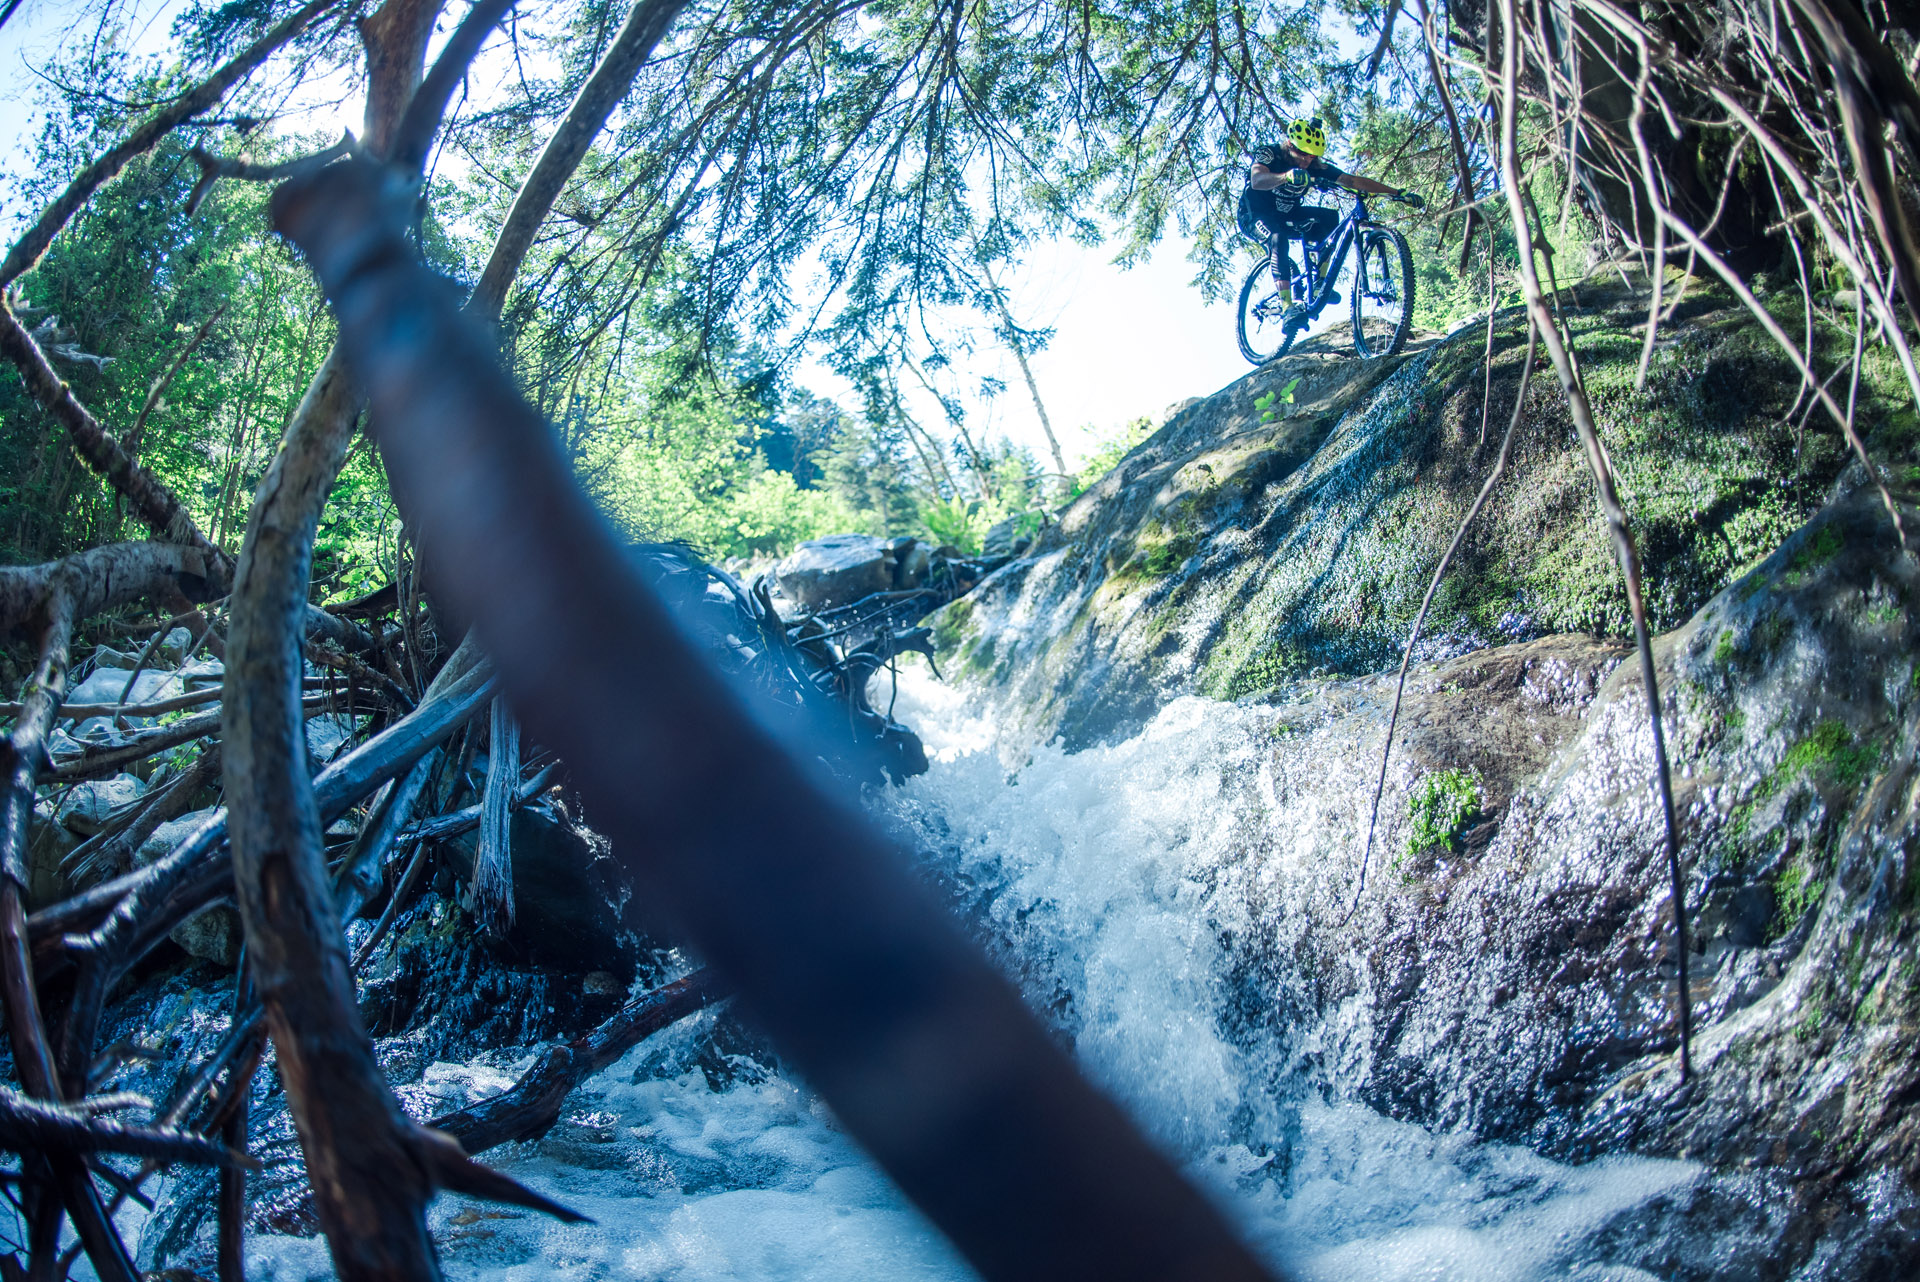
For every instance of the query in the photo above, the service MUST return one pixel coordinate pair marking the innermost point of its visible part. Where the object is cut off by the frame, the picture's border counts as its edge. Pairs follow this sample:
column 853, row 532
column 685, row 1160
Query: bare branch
column 413, row 136
column 646, row 23
column 533, row 1105
column 1611, row 508
column 214, row 168
column 32, row 1126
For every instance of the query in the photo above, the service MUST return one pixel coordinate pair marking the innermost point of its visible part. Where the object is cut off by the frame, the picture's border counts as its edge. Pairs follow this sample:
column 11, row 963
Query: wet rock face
column 1288, row 525
column 1516, row 976
column 1509, row 967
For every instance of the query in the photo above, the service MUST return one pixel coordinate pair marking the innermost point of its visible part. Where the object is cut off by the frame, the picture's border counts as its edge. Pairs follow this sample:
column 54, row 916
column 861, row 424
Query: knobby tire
column 1381, row 250
column 1261, row 277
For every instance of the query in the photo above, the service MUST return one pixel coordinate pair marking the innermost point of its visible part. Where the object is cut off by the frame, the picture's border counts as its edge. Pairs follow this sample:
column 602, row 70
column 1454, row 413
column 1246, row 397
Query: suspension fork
column 1337, row 246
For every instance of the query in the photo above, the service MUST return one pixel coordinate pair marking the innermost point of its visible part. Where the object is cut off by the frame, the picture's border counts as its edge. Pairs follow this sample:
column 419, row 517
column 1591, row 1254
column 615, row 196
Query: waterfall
column 1111, row 882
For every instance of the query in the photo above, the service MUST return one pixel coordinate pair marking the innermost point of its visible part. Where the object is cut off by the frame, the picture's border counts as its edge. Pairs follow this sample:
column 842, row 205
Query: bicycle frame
column 1320, row 275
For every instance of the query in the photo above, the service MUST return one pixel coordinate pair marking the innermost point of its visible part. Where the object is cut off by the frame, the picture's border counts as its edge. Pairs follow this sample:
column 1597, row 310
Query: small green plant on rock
column 1442, row 807
column 1268, row 403
column 1795, row 893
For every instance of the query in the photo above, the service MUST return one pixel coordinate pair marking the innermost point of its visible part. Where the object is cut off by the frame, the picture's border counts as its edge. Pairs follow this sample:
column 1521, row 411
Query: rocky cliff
column 1508, row 967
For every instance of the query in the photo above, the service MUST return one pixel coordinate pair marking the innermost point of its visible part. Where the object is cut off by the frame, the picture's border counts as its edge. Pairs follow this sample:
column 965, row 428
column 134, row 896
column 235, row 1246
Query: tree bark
column 370, row 1185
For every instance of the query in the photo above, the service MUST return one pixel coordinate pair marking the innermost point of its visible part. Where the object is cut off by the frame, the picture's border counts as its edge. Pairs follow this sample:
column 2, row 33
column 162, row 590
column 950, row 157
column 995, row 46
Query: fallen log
column 532, row 1106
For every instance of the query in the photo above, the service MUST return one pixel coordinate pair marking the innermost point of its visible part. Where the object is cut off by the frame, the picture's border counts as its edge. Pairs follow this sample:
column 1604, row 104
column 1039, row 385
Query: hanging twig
column 1611, row 508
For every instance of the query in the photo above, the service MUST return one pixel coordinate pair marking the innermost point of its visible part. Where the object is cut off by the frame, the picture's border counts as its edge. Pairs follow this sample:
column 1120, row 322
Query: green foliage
column 132, row 281
column 1268, row 402
column 1816, row 551
column 1831, row 753
column 1796, row 891
column 1443, row 805
column 954, row 522
column 1107, row 454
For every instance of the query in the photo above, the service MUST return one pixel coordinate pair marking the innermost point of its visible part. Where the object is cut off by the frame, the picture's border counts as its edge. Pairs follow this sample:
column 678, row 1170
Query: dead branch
column 97, row 761
column 492, row 883
column 646, row 22
column 370, row 1182
column 359, row 874
column 455, row 822
column 920, row 1046
column 152, row 504
column 330, row 627
column 413, row 135
column 192, row 699
column 1611, row 508
column 20, row 759
column 28, row 1125
column 102, row 578
column 113, row 847
column 533, row 1105
column 213, row 168
column 160, row 385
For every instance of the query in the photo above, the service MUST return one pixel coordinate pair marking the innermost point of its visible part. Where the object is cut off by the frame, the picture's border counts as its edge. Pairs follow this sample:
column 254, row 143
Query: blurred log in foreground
column 921, row 1047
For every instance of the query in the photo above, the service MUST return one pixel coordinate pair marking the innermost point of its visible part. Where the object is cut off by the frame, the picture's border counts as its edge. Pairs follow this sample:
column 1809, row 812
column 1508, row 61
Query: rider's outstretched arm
column 1355, row 182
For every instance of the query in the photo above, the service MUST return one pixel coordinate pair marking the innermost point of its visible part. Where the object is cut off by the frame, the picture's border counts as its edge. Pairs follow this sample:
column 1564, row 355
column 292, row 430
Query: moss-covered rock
column 1252, row 541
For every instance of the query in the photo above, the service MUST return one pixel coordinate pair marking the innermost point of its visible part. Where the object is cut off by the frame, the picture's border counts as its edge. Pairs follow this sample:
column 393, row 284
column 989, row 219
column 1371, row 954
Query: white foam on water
column 1097, row 876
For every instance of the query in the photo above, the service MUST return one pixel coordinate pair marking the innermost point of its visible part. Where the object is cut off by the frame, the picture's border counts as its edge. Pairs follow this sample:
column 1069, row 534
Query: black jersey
column 1278, row 203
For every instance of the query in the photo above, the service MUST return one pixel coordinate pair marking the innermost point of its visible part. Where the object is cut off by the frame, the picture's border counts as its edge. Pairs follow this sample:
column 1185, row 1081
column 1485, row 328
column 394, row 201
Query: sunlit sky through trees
column 1126, row 343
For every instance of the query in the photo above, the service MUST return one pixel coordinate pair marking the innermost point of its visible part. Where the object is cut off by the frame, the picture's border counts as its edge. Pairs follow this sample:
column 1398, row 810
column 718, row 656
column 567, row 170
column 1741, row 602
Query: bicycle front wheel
column 1382, row 292
column 1262, row 334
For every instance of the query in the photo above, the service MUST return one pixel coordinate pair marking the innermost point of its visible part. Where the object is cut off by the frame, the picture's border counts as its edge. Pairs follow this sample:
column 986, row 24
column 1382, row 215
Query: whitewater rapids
column 1099, row 879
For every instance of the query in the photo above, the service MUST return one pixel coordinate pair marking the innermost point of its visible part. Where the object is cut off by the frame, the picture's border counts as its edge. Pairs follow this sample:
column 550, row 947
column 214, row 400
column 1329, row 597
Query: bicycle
column 1382, row 288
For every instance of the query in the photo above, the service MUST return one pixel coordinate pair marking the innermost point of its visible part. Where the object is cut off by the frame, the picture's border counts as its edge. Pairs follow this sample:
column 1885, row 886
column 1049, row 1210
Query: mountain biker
column 1270, row 209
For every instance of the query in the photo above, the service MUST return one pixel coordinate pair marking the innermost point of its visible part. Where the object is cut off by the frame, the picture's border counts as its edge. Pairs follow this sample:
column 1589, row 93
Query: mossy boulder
column 1253, row 541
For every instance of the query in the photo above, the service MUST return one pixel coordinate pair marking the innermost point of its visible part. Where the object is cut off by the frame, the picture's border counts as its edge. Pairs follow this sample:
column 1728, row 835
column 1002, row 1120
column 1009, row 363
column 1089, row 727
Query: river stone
column 167, row 836
column 89, row 805
column 105, row 656
column 174, row 647
column 108, row 685
column 836, row 570
column 1003, row 540
column 213, row 936
column 328, row 736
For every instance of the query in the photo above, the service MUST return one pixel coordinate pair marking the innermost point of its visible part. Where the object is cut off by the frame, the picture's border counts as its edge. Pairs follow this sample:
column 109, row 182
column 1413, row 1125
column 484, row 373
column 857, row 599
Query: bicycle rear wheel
column 1382, row 292
column 1262, row 335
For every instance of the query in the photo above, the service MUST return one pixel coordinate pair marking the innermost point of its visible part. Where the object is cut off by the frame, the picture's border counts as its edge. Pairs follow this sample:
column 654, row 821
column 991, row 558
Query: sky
column 1127, row 343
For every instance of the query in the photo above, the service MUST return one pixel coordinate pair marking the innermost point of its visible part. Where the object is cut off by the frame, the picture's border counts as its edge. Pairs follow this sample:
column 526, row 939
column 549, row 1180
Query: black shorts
column 1307, row 223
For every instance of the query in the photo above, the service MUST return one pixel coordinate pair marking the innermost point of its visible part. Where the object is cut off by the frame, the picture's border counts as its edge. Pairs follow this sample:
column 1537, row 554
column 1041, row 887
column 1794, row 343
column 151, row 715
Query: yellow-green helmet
column 1309, row 136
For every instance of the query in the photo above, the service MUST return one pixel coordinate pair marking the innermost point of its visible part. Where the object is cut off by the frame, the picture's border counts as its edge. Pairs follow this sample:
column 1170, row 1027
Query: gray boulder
column 1004, row 539
column 88, row 805
column 167, row 836
column 836, row 570
column 911, row 564
column 107, row 685
column 215, row 936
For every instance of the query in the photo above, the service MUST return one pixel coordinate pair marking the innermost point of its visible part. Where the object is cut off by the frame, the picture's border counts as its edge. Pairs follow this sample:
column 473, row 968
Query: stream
column 1111, row 882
